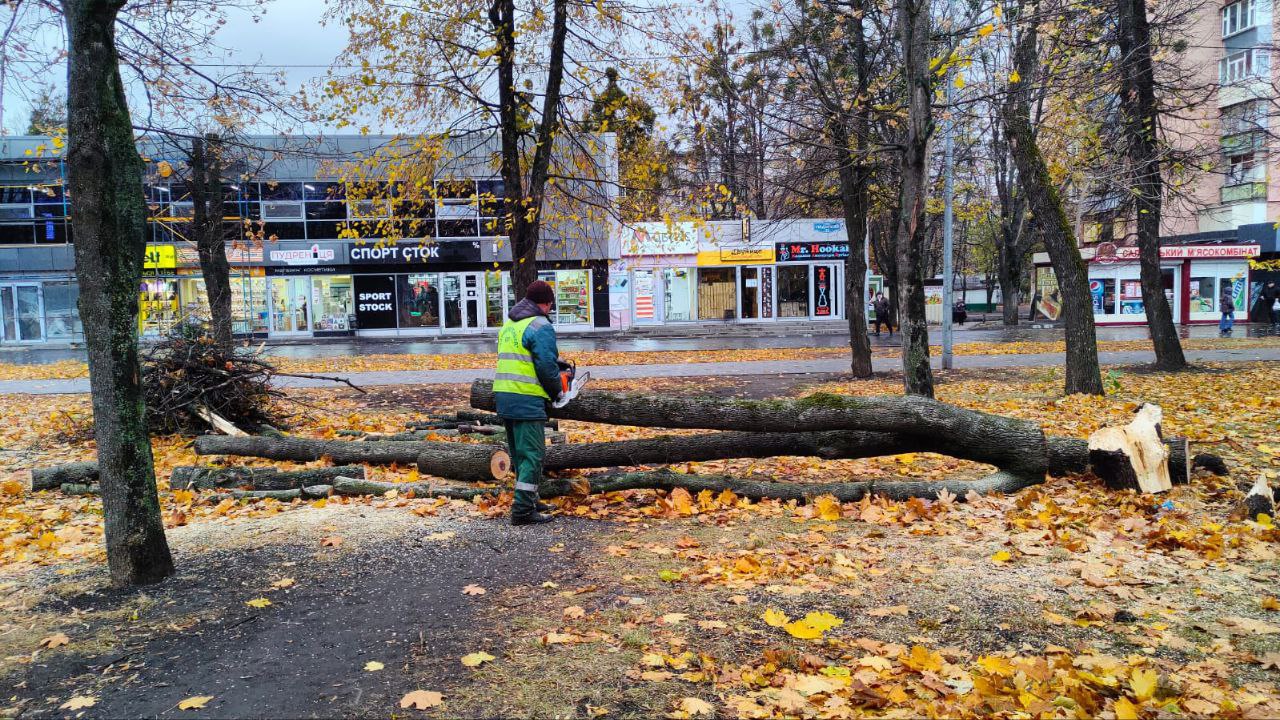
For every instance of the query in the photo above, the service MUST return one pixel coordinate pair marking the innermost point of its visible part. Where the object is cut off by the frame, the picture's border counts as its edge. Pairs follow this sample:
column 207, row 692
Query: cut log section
column 187, row 477
column 1260, row 500
column 494, row 465
column 1133, row 456
column 52, row 478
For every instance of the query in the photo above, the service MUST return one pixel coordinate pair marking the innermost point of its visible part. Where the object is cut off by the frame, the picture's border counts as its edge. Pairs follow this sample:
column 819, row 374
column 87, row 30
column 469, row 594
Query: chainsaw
column 570, row 382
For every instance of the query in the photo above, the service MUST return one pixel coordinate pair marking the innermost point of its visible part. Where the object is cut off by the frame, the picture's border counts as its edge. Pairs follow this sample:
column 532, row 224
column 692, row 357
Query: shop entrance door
column 463, row 301
column 749, row 292
column 290, row 305
column 21, row 313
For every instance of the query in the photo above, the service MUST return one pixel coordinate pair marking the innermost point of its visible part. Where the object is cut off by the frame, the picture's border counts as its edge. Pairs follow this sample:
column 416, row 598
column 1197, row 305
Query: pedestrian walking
column 1271, row 301
column 1227, row 305
column 881, row 305
column 527, row 378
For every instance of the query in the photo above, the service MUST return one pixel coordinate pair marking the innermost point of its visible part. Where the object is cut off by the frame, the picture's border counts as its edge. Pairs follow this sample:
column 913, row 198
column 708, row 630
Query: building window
column 573, row 295
column 282, row 201
column 1202, row 297
column 1243, row 169
column 717, row 294
column 1238, row 17
column 678, row 299
column 1242, row 65
column 331, row 302
column 418, row 300
column 1103, row 293
column 793, row 291
column 1243, row 117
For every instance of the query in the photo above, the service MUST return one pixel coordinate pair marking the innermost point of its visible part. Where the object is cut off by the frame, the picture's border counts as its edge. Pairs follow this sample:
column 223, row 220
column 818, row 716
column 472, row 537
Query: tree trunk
column 1083, row 374
column 855, row 200
column 667, row 449
column 1010, row 275
column 104, row 175
column 1141, row 123
column 187, row 477
column 523, row 204
column 491, row 465
column 1013, row 445
column 342, row 452
column 913, row 24
column 206, row 197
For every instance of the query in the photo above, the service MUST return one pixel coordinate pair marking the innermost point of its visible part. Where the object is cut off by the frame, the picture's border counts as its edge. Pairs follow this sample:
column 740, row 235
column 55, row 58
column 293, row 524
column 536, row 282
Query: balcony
column 1241, row 192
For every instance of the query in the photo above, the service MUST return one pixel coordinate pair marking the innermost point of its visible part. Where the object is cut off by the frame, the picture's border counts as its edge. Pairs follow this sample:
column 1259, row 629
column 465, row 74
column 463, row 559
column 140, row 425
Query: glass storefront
column 331, row 303
column 678, row 300
column 497, row 303
column 290, row 306
column 195, row 297
column 750, row 292
column 61, row 317
column 249, row 305
column 573, row 295
column 418, row 300
column 158, row 306
column 793, row 291
column 717, row 293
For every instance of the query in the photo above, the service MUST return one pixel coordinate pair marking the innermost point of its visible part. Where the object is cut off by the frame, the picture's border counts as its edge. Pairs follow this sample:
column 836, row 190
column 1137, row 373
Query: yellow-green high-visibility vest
column 516, row 373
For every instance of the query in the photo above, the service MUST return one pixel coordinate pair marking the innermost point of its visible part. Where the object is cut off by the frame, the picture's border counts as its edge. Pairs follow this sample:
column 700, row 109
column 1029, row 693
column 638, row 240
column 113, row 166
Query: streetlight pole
column 948, row 195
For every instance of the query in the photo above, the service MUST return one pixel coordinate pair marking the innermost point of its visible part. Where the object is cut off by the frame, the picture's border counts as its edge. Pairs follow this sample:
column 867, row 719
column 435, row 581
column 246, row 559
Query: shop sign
column 313, row 254
column 375, row 301
column 1178, row 252
column 160, row 257
column 800, row 252
column 415, row 253
column 828, row 226
column 657, row 238
column 735, row 256
column 240, row 255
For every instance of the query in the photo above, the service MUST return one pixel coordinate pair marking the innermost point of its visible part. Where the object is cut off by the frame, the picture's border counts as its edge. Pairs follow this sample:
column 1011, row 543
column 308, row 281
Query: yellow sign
column 735, row 256
column 160, row 257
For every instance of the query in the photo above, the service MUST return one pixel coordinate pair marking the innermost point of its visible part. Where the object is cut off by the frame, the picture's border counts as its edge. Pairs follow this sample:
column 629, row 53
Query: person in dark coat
column 1227, row 305
column 881, row 306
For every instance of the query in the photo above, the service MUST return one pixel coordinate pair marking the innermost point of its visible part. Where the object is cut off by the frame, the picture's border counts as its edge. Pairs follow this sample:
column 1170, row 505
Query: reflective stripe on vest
column 515, row 372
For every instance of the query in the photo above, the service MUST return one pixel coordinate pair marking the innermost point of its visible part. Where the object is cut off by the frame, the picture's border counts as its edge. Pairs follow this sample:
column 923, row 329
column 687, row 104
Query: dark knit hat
column 540, row 292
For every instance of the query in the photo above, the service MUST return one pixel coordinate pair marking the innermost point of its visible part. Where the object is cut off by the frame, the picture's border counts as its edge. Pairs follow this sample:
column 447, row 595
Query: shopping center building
column 731, row 271
column 307, row 260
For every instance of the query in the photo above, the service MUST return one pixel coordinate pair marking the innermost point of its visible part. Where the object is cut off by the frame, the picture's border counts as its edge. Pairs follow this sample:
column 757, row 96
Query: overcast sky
column 290, row 36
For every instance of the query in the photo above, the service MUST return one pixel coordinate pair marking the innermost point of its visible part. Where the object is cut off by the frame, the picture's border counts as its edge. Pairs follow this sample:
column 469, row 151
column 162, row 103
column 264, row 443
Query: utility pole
column 948, row 196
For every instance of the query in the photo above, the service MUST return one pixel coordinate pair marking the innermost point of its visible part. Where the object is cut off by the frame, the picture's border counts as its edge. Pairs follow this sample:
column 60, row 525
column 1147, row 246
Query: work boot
column 545, row 507
column 536, row 518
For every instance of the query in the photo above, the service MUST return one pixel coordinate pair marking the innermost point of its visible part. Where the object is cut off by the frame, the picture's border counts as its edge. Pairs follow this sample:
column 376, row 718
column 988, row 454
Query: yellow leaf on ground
column 674, row 618
column 574, row 612
column 1270, row 603
column 476, row 659
column 421, row 699
column 692, row 707
column 196, row 702
column 373, row 666
column 79, row 702
column 1001, row 557
column 923, row 659
column 257, row 602
column 996, row 665
column 826, row 507
column 473, row 590
column 555, row 638
column 823, row 621
column 1143, row 683
column 682, row 501
column 55, row 640
column 802, row 630
column 775, row 618
column 1125, row 710
column 282, row 583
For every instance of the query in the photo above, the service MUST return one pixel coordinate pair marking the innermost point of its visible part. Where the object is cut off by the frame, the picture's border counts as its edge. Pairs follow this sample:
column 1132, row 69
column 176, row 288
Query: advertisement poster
column 1048, row 300
column 822, row 291
column 1095, row 292
column 1131, row 298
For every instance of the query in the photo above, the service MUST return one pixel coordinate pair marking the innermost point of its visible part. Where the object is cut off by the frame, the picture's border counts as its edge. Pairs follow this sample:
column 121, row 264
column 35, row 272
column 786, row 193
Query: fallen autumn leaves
column 1068, row 599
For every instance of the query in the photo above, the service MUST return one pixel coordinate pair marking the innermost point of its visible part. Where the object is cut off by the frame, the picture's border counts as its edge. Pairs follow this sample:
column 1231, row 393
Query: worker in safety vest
column 527, row 378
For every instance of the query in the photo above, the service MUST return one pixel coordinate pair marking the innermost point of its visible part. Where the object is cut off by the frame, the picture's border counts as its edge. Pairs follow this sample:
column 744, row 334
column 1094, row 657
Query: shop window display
column 717, row 294
column 678, row 299
column 1131, row 297
column 793, row 291
column 419, row 300
column 195, row 298
column 158, row 306
column 496, row 305
column 573, row 295
column 61, row 317
column 331, row 303
column 290, row 304
column 248, row 305
column 1203, row 299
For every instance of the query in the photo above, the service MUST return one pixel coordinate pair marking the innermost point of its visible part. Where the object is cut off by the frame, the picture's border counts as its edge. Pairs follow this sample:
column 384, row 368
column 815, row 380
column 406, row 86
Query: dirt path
column 391, row 592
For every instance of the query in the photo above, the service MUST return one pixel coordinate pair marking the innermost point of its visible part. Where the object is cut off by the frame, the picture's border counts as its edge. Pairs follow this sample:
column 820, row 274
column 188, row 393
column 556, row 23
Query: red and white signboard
column 1109, row 253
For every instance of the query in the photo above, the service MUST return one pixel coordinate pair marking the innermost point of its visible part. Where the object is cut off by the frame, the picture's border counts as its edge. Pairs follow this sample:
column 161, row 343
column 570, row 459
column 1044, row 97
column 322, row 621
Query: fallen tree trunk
column 1014, row 446
column 188, row 477
column 494, row 465
column 311, row 492
column 342, row 452
column 52, row 478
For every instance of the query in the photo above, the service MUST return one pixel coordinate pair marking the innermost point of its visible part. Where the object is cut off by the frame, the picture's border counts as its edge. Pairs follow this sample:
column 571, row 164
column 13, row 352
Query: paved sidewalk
column 753, row 367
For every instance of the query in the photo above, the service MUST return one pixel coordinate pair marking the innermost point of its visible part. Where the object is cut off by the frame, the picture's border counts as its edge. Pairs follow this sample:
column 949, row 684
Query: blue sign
column 828, row 226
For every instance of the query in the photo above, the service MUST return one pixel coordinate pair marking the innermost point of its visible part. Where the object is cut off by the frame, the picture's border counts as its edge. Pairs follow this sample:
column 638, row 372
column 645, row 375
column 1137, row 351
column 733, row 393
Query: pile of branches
column 193, row 384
